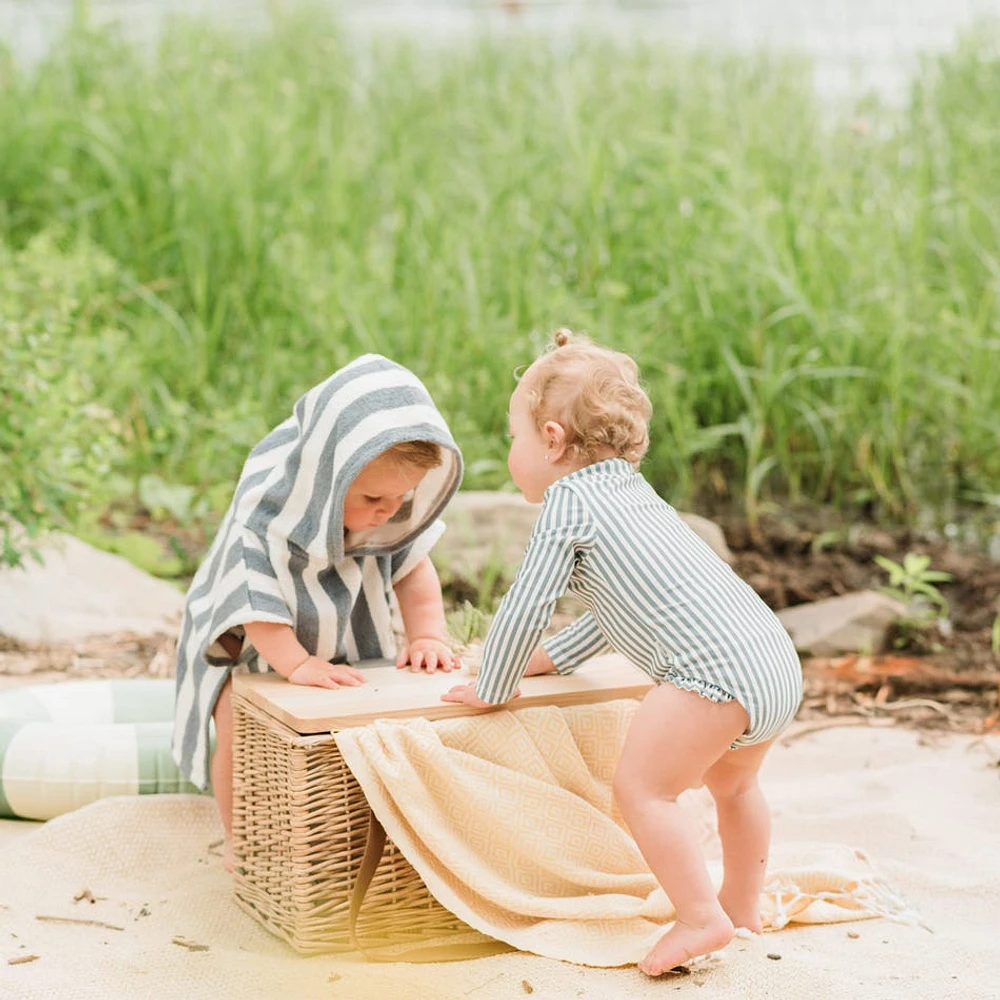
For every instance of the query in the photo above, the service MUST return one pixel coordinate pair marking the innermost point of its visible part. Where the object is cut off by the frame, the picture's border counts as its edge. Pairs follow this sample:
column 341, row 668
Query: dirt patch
column 788, row 562
column 789, row 559
column 937, row 676
column 121, row 655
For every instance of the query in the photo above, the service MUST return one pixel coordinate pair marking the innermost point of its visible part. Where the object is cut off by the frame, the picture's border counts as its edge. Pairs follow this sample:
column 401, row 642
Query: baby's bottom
column 679, row 740
column 222, row 769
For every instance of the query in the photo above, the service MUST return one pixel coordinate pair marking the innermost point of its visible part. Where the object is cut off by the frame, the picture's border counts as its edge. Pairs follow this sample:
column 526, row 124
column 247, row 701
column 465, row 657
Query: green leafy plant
column 467, row 623
column 914, row 583
column 57, row 444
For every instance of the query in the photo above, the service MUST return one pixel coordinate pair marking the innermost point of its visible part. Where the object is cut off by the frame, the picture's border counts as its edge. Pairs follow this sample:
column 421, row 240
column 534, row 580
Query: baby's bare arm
column 281, row 648
column 421, row 604
column 278, row 645
column 422, row 608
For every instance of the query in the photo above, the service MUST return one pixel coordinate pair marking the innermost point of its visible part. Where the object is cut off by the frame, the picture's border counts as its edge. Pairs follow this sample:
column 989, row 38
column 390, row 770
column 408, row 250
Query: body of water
column 856, row 45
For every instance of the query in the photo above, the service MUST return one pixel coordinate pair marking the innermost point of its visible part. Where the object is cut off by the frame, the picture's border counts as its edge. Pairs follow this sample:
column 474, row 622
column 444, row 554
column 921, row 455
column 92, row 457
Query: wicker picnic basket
column 301, row 841
column 313, row 863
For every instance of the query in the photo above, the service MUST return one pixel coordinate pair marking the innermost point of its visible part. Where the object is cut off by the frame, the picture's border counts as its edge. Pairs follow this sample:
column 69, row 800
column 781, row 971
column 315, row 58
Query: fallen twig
column 86, row 894
column 23, row 959
column 190, row 945
column 75, row 920
column 481, row 985
column 841, row 720
column 903, row 703
column 854, row 670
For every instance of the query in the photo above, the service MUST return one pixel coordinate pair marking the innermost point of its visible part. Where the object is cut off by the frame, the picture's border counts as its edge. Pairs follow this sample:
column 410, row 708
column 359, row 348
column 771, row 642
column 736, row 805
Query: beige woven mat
column 930, row 815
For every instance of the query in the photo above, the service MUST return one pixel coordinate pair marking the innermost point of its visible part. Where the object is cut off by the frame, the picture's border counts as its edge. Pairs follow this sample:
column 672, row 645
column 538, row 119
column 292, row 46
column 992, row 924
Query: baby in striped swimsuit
column 730, row 678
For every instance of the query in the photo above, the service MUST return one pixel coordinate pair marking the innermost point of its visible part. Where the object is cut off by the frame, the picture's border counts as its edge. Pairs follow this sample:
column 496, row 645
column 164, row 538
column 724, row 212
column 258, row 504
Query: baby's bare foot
column 686, row 941
column 743, row 912
column 228, row 858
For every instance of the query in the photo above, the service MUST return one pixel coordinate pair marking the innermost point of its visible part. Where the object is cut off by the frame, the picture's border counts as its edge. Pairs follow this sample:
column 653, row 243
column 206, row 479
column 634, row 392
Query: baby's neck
column 601, row 455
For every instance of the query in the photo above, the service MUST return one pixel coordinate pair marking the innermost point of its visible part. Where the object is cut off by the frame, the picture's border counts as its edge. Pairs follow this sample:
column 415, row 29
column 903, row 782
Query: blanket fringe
column 866, row 894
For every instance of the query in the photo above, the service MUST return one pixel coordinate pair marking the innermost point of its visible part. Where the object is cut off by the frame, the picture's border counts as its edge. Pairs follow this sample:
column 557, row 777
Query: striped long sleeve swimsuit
column 653, row 591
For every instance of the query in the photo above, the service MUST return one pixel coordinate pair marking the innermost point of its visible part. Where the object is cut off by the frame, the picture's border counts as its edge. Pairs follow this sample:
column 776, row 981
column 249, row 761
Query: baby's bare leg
column 222, row 769
column 744, row 830
column 674, row 739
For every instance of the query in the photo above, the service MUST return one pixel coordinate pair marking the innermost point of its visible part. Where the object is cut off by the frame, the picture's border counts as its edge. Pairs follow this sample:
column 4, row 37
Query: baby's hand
column 318, row 673
column 465, row 694
column 430, row 655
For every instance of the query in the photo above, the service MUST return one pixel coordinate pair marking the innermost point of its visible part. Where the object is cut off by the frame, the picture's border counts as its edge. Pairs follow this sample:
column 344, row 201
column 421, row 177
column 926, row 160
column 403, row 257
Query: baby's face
column 378, row 492
column 531, row 471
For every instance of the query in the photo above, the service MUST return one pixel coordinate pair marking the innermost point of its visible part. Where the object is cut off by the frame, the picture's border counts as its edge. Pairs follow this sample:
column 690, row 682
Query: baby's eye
column 372, row 499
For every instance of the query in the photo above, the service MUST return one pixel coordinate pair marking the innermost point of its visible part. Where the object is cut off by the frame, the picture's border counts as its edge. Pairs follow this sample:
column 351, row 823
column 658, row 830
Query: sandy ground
column 11, row 829
column 925, row 808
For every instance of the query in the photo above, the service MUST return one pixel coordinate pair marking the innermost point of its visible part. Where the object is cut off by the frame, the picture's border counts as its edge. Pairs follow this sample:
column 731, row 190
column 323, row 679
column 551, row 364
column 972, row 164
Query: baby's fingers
column 456, row 693
column 348, row 676
column 445, row 662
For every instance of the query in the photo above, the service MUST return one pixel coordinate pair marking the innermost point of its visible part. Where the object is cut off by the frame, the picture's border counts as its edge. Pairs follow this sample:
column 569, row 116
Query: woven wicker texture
column 300, row 827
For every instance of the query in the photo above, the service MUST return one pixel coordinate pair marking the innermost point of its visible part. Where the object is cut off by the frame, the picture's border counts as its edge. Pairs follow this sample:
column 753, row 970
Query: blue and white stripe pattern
column 653, row 591
column 281, row 554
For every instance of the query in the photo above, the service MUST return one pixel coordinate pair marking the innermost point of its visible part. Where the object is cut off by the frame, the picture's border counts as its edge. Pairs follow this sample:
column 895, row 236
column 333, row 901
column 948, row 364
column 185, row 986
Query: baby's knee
column 727, row 781
column 632, row 788
column 731, row 788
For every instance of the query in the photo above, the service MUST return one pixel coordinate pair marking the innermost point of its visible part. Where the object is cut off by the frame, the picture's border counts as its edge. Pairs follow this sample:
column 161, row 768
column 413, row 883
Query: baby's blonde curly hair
column 594, row 392
column 417, row 454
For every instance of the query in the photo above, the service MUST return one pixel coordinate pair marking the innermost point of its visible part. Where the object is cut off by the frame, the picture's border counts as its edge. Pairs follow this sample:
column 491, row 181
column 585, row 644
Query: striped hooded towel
column 281, row 554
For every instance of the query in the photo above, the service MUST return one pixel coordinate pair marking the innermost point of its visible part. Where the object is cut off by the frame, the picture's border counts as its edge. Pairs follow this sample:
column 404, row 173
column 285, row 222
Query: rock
column 488, row 532
column 709, row 532
column 79, row 591
column 852, row 623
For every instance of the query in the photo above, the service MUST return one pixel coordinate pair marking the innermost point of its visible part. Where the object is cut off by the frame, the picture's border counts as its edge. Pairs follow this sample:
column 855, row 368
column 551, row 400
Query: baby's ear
column 554, row 435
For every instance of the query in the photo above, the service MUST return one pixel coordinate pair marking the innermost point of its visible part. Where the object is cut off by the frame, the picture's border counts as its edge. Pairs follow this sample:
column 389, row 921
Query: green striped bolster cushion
column 65, row 745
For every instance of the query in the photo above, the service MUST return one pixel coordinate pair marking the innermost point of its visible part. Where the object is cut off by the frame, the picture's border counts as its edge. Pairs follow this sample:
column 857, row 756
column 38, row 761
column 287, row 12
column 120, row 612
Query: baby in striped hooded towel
column 335, row 509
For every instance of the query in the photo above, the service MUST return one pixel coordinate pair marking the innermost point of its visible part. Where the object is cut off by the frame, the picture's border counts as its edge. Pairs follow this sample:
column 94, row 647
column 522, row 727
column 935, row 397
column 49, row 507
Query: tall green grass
column 812, row 294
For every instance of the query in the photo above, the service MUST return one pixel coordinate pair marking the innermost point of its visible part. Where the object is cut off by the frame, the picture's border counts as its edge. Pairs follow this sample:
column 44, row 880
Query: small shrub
column 914, row 583
column 56, row 444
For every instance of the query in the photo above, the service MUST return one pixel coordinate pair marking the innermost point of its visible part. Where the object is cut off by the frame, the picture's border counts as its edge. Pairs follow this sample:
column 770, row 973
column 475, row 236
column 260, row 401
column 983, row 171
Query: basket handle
column 441, row 951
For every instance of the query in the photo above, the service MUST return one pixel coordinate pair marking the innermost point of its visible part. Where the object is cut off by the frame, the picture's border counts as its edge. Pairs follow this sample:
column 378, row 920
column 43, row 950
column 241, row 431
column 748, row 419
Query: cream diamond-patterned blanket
column 508, row 817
